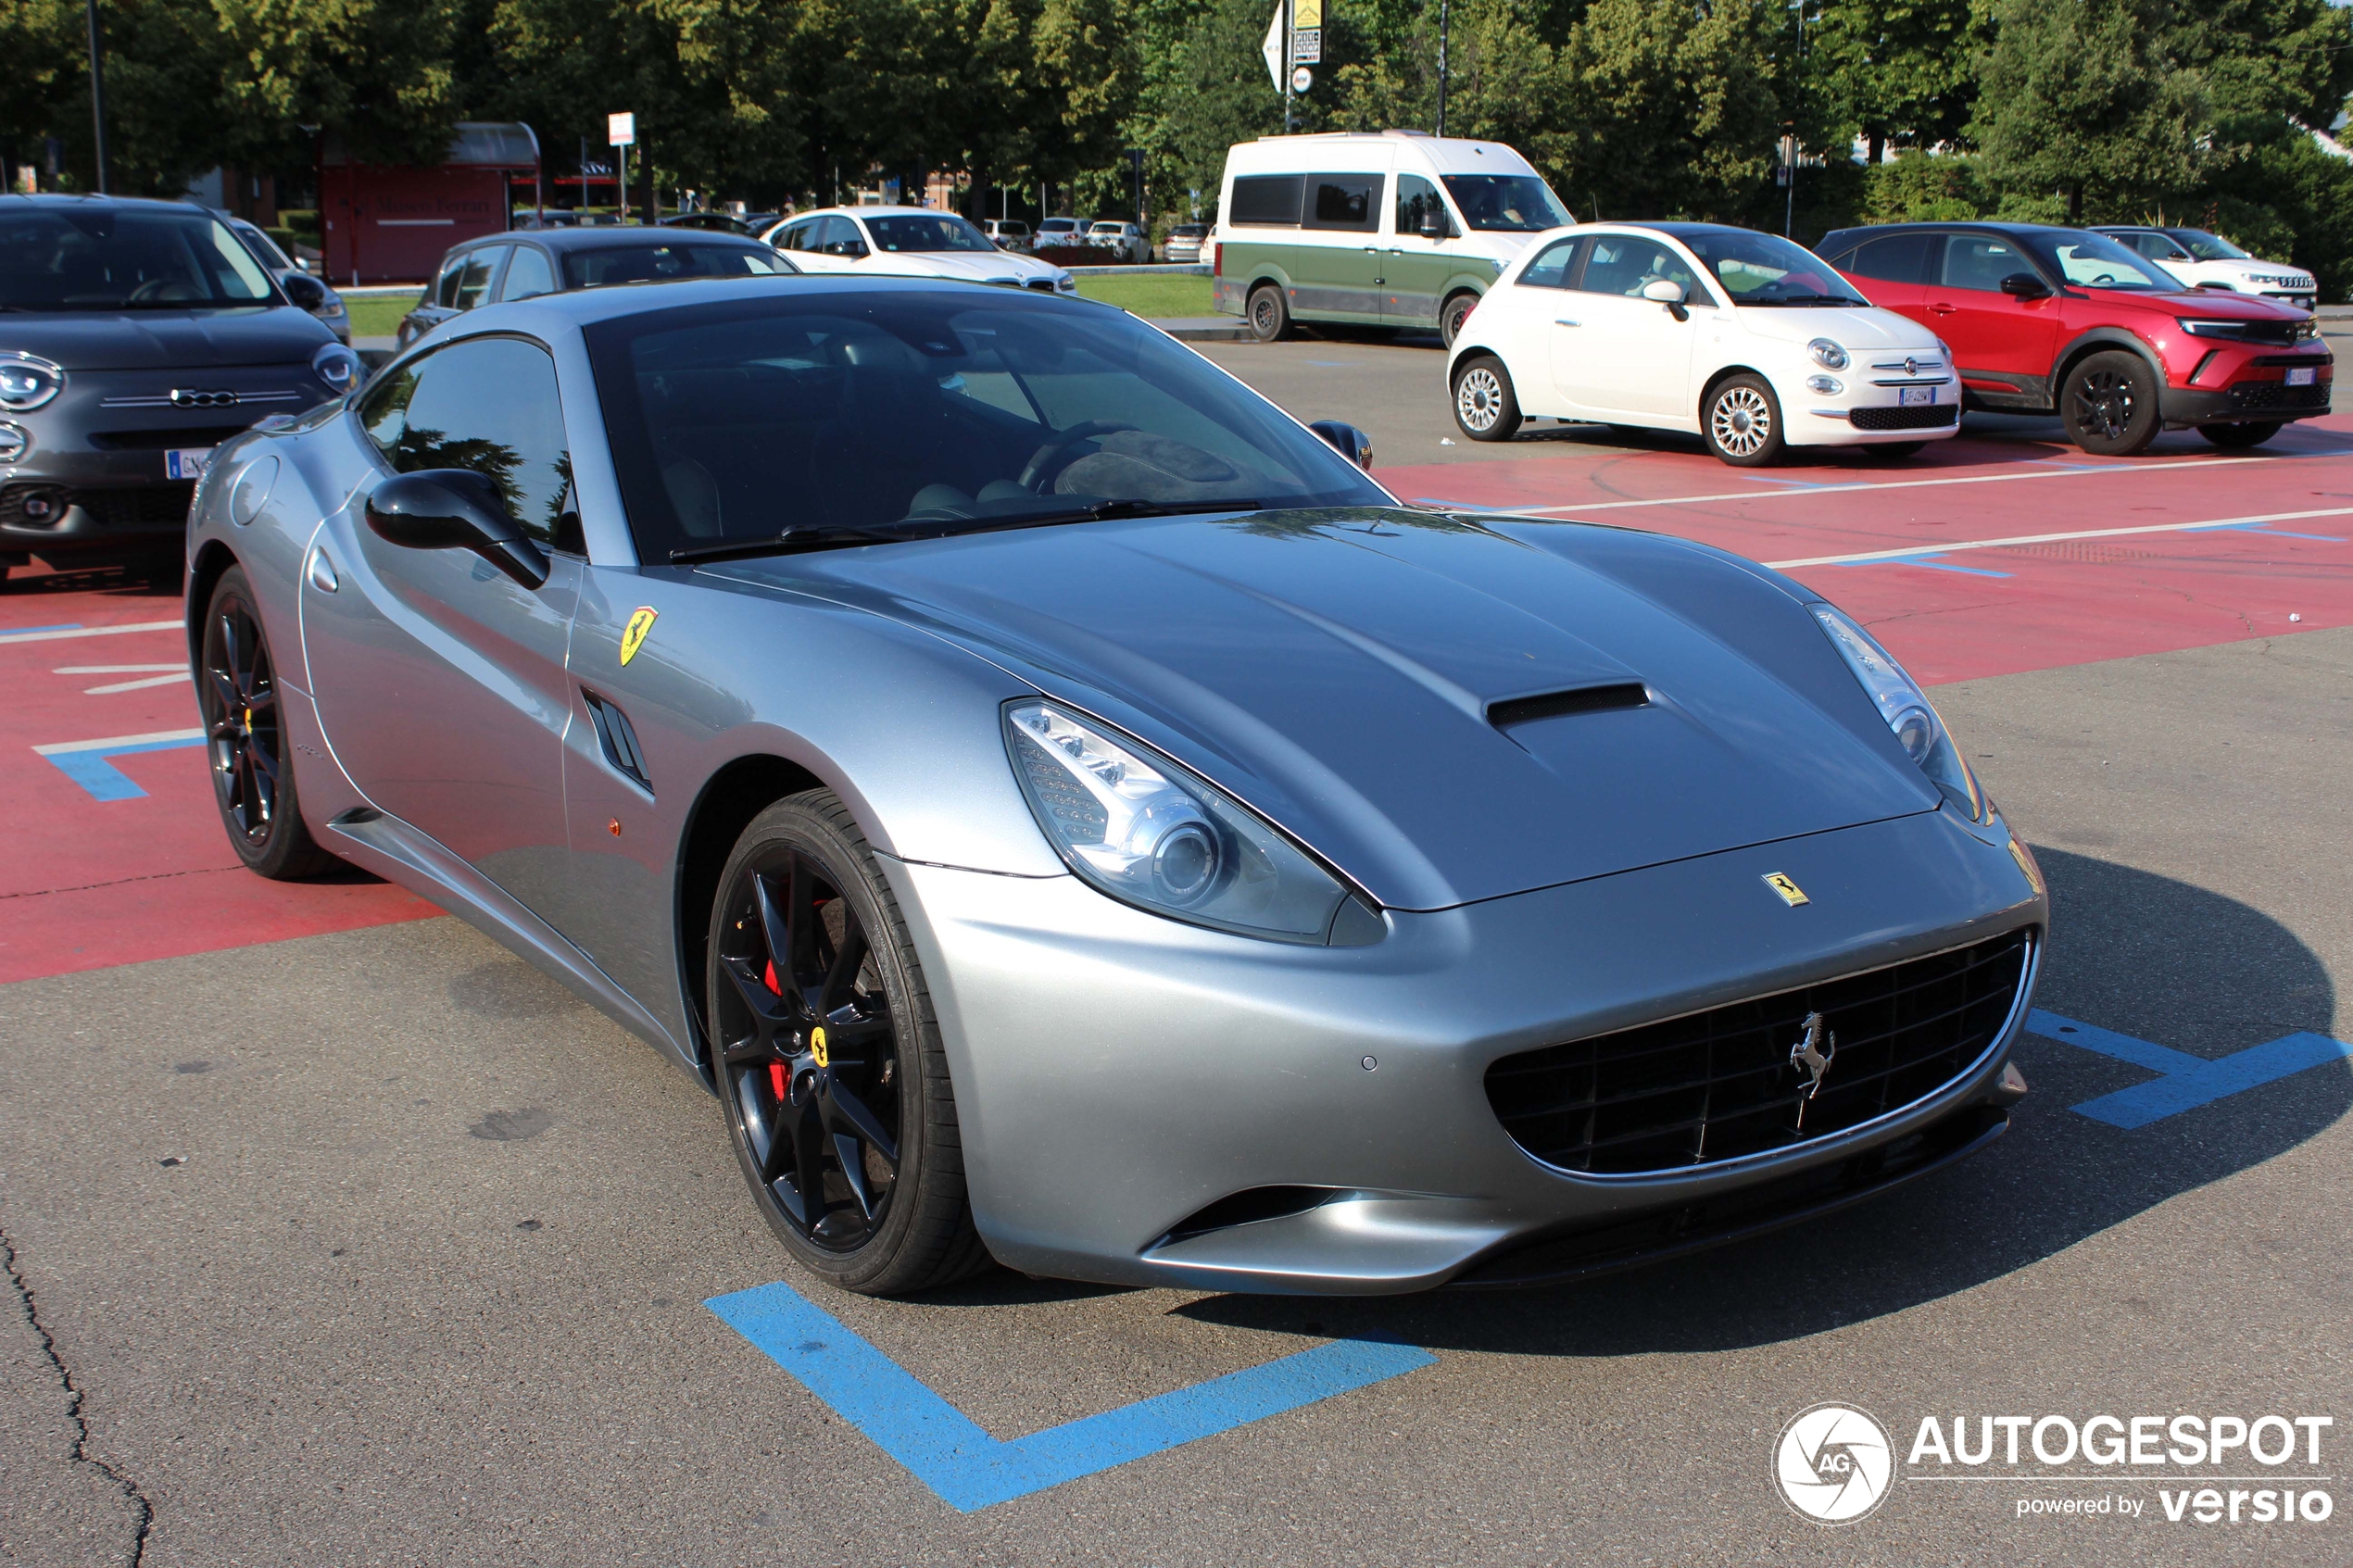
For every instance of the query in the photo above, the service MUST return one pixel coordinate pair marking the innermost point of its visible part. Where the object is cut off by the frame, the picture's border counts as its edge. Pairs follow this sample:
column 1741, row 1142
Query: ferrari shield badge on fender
column 633, row 636
column 1779, row 881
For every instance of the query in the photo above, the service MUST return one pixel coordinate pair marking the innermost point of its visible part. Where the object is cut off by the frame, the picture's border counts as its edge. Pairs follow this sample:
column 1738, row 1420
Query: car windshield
column 265, row 249
column 1766, row 270
column 103, row 258
column 916, row 414
column 2208, row 248
column 2093, row 261
column 941, row 231
column 686, row 258
column 1510, row 203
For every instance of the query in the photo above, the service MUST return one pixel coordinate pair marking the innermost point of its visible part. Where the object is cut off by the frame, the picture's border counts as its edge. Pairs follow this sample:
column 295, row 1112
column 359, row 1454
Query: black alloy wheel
column 2109, row 405
column 1269, row 315
column 245, row 740
column 2233, row 437
column 828, row 1059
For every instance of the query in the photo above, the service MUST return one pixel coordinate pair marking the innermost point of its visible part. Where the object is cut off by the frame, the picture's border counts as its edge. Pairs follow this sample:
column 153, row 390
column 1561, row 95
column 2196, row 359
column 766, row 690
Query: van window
column 1267, row 198
column 1344, row 201
column 1417, row 200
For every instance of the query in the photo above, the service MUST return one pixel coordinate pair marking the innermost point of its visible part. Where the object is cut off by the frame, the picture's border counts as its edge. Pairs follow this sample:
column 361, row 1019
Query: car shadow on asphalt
column 2149, row 956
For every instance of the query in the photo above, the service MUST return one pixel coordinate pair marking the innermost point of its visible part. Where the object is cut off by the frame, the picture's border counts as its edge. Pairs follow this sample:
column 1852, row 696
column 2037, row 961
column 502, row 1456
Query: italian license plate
column 1913, row 397
column 2301, row 378
column 186, row 462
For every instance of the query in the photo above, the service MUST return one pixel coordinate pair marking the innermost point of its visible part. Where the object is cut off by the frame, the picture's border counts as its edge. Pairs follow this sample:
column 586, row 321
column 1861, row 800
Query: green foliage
column 1896, row 72
column 1922, row 188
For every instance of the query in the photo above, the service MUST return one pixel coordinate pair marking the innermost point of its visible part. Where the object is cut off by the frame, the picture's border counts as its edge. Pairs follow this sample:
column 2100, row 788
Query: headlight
column 2308, row 330
column 336, row 366
column 1829, row 386
column 1148, row 831
column 1828, row 355
column 1917, row 729
column 26, row 383
column 2212, row 328
column 14, row 443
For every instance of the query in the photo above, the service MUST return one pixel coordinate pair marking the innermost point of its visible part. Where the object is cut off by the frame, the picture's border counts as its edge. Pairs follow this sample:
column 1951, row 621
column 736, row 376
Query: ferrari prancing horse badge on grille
column 633, row 636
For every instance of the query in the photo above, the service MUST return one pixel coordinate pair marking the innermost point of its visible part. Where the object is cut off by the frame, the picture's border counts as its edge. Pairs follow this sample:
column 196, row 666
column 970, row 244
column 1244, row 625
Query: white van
column 1392, row 228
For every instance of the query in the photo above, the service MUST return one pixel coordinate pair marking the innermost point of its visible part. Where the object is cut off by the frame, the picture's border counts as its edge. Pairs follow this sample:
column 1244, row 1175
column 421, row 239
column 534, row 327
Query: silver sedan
column 1069, row 813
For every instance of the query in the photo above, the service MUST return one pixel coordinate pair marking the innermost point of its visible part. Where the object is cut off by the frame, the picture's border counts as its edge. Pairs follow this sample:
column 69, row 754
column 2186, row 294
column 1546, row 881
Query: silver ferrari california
column 1071, row 815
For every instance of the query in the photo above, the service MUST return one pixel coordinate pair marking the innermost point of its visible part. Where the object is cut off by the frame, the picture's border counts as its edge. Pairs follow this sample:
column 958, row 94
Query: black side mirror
column 2024, row 285
column 304, row 290
column 1433, row 225
column 455, row 510
column 1347, row 441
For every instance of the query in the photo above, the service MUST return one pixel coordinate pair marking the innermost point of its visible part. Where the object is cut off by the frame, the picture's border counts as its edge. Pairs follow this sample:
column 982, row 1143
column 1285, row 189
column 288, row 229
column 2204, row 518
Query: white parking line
column 175, row 678
column 164, row 676
column 2055, row 538
column 7, row 638
column 2071, row 472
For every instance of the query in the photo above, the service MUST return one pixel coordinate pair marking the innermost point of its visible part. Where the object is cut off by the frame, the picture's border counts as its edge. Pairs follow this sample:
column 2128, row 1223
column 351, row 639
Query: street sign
column 1307, row 15
column 621, row 130
column 1301, row 80
column 1307, row 45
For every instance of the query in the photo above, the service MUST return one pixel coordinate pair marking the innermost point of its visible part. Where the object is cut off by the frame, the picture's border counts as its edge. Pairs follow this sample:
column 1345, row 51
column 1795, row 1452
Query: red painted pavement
column 86, row 883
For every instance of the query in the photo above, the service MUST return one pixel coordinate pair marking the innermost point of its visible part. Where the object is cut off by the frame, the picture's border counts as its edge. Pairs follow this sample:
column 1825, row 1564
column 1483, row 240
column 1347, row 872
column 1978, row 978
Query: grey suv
column 134, row 337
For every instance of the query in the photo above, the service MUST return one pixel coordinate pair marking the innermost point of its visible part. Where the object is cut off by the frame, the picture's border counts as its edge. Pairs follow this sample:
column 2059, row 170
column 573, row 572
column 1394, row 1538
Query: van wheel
column 1452, row 316
column 2110, row 404
column 1269, row 315
column 1485, row 406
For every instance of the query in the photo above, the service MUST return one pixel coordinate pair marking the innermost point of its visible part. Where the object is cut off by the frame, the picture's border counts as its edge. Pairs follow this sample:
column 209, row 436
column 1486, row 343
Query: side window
column 1556, row 267
column 473, row 284
column 839, row 236
column 1622, row 264
column 487, row 404
column 1344, row 201
column 1894, row 258
column 1267, row 199
column 528, row 274
column 1980, row 261
column 445, row 290
column 792, row 236
column 1416, row 200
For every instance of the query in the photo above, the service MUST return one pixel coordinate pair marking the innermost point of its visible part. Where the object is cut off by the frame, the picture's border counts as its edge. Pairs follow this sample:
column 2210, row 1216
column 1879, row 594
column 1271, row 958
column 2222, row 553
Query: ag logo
column 633, row 636
column 1834, row 1464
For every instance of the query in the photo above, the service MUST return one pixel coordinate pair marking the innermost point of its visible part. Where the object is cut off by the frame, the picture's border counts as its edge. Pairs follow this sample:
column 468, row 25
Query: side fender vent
column 1554, row 704
column 618, row 741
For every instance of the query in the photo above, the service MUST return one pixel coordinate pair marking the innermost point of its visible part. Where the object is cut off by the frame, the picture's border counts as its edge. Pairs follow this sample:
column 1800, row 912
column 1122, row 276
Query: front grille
column 1047, row 284
column 143, row 506
column 2248, row 397
column 1933, row 418
column 162, row 439
column 1719, row 1085
column 2269, row 331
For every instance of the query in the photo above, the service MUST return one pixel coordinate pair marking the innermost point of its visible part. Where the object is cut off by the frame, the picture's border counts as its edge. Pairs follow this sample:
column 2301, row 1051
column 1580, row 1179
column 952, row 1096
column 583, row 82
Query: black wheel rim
column 807, row 1052
column 2103, row 403
column 242, row 723
column 1456, row 314
column 1263, row 314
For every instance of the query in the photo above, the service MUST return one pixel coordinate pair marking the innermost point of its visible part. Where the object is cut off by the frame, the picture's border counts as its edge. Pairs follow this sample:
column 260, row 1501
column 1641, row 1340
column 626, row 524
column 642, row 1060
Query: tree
column 2083, row 109
column 1894, row 72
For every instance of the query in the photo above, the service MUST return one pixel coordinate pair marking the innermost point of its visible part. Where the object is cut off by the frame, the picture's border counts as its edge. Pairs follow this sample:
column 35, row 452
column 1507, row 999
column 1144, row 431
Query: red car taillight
column 1217, row 259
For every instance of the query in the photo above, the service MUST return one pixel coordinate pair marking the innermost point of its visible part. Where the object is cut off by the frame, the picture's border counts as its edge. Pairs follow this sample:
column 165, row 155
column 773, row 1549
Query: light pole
column 1289, row 96
column 97, row 98
column 1443, row 18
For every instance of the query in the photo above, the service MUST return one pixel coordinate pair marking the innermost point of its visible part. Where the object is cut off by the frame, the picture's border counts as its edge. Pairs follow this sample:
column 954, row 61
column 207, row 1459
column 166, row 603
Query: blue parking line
column 949, row 1453
column 13, row 633
column 1933, row 560
column 94, row 772
column 2185, row 1081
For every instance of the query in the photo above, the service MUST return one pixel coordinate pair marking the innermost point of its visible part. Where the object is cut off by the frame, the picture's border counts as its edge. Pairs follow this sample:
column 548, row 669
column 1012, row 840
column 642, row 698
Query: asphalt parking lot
column 339, row 1236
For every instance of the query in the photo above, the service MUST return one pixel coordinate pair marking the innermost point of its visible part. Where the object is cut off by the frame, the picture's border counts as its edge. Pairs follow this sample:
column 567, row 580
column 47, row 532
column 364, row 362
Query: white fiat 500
column 1751, row 342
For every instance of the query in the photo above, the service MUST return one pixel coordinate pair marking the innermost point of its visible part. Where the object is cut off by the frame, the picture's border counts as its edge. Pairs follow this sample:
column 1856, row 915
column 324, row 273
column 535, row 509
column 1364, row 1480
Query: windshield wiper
column 792, row 541
column 1102, row 511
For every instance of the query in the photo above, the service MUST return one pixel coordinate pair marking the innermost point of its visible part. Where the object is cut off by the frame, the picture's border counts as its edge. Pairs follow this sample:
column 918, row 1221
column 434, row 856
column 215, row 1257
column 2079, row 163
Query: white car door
column 1615, row 352
column 1521, row 319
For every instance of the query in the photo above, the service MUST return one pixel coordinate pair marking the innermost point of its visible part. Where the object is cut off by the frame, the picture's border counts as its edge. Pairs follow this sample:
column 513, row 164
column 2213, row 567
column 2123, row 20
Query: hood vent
column 1554, row 704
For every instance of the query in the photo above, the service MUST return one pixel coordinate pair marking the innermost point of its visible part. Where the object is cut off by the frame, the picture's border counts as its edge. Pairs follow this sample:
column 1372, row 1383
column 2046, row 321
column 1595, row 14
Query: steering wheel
column 155, row 288
column 1042, row 465
column 2103, row 278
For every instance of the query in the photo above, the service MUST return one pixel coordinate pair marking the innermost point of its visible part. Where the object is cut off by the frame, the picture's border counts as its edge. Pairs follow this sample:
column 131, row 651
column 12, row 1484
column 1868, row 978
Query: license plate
column 186, row 462
column 1913, row 396
column 2301, row 378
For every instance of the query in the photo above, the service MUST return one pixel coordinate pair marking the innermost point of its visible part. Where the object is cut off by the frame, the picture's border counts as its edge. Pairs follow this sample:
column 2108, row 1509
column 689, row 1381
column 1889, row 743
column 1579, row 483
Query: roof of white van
column 1340, row 152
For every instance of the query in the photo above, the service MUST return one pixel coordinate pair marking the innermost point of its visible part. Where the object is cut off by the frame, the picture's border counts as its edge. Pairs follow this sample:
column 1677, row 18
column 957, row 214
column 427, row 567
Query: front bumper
column 1870, row 414
column 1117, row 1075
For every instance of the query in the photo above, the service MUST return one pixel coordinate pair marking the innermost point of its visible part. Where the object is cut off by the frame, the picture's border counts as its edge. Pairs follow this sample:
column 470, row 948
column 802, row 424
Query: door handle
column 1942, row 310
column 322, row 573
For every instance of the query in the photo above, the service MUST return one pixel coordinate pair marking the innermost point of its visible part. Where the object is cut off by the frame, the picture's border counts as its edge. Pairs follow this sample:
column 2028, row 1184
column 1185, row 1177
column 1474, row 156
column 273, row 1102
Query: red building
column 383, row 223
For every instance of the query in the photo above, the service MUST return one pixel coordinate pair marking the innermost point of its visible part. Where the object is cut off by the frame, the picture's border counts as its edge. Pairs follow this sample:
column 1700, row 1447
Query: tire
column 1453, row 314
column 1742, row 421
column 1485, row 406
column 246, row 740
column 2232, row 437
column 2110, row 404
column 892, row 1219
column 1269, row 315
column 1894, row 451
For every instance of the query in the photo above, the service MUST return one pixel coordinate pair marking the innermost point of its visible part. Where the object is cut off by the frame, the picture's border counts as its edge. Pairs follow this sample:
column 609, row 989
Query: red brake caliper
column 777, row 1077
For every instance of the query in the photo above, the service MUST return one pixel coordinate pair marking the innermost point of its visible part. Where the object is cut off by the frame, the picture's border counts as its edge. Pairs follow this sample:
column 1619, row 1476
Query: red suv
column 2043, row 319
